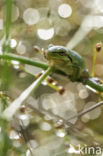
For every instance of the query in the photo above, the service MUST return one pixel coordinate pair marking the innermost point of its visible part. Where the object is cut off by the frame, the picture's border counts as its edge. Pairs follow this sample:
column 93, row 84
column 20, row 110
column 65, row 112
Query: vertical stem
column 15, row 105
column 8, row 18
column 5, row 71
column 93, row 63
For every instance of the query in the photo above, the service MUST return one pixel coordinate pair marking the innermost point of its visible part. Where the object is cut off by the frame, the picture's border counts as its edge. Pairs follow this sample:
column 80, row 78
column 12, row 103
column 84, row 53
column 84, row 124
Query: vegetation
column 42, row 112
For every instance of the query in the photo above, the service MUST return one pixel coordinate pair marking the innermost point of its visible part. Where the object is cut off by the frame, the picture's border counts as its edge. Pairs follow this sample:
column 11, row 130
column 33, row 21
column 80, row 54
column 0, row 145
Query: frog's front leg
column 76, row 72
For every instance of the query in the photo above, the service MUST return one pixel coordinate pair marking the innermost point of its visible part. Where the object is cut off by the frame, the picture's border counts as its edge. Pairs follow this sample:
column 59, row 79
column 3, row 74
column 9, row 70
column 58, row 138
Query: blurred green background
column 36, row 129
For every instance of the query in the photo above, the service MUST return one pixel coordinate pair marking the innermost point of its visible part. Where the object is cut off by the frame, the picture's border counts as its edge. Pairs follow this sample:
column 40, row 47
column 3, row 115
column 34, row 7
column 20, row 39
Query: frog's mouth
column 58, row 55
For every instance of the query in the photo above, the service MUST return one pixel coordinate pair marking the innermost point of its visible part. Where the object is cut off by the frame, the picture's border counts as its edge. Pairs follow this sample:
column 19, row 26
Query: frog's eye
column 64, row 54
column 50, row 45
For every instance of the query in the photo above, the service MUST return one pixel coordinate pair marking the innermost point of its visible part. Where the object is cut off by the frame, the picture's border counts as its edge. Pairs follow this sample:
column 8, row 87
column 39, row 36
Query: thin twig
column 15, row 105
column 86, row 110
column 66, row 125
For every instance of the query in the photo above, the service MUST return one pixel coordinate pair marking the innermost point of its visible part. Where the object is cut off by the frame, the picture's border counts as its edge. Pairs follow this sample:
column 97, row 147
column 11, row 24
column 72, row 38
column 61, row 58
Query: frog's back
column 76, row 59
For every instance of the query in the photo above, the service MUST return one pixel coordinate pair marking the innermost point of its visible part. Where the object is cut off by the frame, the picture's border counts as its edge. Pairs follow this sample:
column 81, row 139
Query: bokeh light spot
column 45, row 34
column 65, row 10
column 31, row 16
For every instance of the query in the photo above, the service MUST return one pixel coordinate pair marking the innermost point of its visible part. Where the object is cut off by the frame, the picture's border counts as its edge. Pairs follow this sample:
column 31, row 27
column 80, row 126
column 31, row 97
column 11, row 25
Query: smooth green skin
column 68, row 61
column 73, row 65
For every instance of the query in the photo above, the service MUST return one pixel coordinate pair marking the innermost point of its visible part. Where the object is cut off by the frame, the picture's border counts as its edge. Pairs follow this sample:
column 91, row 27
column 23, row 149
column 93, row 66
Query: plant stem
column 86, row 110
column 93, row 63
column 8, row 18
column 23, row 60
column 15, row 105
column 95, row 84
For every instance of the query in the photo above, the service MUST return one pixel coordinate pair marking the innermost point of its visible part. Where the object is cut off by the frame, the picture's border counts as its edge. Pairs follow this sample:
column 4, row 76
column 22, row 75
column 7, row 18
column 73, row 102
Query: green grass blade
column 8, row 17
column 15, row 105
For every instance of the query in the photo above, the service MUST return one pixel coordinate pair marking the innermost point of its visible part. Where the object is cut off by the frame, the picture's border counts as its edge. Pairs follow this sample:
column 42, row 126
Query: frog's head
column 57, row 53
